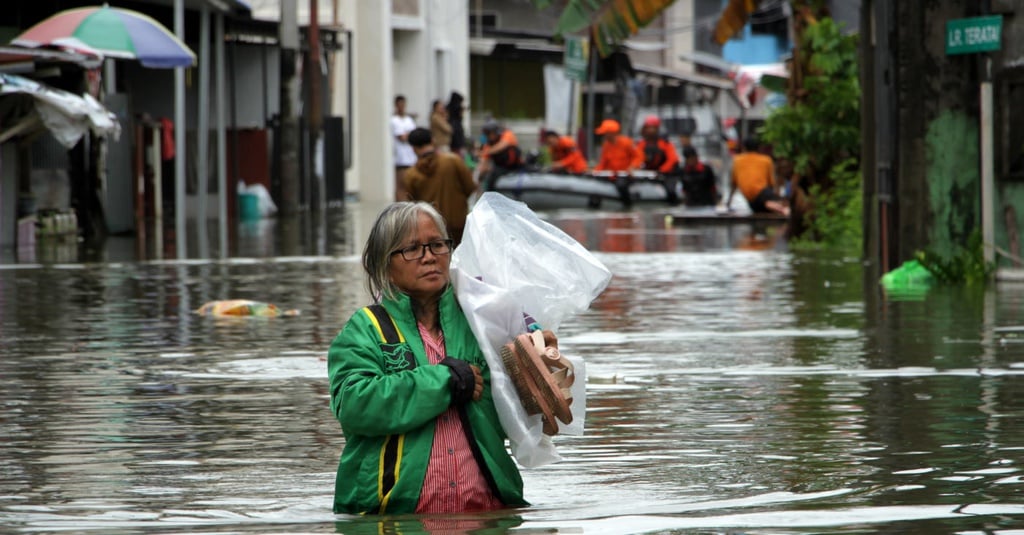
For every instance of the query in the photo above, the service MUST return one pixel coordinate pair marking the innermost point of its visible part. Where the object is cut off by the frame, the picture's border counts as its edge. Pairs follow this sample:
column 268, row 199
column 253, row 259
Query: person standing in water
column 411, row 388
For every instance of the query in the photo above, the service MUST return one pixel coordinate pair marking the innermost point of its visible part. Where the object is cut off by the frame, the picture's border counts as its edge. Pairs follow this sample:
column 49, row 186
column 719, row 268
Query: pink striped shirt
column 454, row 482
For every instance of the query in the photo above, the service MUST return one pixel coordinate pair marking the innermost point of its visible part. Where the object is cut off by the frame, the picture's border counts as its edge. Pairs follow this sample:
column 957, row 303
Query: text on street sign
column 975, row 34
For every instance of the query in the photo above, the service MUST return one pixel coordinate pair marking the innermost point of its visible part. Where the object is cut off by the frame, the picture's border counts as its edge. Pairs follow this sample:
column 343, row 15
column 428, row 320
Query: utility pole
column 179, row 140
column 289, row 121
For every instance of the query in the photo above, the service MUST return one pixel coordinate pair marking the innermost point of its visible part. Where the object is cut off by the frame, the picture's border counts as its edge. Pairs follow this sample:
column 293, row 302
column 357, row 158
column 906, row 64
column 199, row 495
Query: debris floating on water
column 243, row 307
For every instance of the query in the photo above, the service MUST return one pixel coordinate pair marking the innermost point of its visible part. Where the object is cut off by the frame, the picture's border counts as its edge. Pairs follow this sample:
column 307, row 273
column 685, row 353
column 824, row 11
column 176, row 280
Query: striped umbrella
column 114, row 32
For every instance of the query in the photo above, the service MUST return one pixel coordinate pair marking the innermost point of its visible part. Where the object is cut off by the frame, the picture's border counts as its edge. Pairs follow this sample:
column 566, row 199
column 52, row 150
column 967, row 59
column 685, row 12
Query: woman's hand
column 478, row 385
column 550, row 339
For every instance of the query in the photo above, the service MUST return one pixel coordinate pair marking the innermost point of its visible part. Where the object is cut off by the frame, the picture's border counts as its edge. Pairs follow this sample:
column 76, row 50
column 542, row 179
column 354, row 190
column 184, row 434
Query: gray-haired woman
column 411, row 388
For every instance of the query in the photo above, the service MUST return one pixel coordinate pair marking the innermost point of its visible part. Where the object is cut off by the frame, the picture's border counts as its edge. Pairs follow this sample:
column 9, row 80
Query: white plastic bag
column 267, row 207
column 511, row 263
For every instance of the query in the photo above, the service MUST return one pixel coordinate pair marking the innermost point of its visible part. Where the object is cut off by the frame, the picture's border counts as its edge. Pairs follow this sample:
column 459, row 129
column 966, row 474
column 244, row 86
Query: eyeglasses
column 415, row 252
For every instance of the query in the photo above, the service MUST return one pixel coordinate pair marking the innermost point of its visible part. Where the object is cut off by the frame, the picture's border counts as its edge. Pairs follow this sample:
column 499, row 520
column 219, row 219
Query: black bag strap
column 389, row 333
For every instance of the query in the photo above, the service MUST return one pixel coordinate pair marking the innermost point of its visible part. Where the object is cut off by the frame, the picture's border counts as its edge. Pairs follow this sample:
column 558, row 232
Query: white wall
column 372, row 171
column 448, row 24
column 423, row 57
column 412, row 72
column 679, row 15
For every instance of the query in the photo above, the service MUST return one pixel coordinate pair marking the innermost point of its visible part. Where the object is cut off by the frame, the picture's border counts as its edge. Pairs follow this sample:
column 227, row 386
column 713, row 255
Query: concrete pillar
column 226, row 195
column 203, row 130
column 373, row 165
column 457, row 31
column 987, row 168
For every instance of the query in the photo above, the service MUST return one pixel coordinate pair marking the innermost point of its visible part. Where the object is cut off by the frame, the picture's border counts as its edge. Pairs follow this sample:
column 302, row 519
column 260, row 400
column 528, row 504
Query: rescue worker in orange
column 753, row 174
column 617, row 152
column 565, row 157
column 660, row 155
column 499, row 155
column 502, row 149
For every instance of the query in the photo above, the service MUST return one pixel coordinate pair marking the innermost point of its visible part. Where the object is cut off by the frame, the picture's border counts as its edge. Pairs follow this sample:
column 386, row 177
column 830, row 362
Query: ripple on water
column 727, row 391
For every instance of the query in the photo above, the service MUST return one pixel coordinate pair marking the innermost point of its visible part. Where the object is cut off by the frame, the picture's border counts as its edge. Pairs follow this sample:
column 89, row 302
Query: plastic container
column 249, row 207
column 909, row 282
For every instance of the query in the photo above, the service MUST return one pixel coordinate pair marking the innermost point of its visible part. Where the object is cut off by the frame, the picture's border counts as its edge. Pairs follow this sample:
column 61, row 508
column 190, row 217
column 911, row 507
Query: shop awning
column 15, row 59
column 679, row 77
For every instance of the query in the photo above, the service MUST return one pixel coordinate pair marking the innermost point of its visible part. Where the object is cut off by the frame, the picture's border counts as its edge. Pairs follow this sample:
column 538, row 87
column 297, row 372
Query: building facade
column 415, row 48
column 517, row 76
column 925, row 136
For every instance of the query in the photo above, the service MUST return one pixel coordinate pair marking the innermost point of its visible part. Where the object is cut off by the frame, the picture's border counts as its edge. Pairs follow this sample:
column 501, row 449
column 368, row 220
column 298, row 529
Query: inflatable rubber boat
column 608, row 190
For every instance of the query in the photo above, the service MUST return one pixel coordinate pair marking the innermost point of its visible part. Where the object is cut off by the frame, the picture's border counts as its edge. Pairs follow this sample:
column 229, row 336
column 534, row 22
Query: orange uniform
column 660, row 156
column 506, row 136
column 752, row 172
column 619, row 155
column 566, row 156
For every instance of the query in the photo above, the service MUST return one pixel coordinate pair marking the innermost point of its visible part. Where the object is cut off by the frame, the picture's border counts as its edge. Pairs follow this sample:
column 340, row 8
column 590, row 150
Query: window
column 409, row 8
column 488, row 20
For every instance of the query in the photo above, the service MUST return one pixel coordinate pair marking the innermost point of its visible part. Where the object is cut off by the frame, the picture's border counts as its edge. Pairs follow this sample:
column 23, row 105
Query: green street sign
column 976, row 34
column 575, row 58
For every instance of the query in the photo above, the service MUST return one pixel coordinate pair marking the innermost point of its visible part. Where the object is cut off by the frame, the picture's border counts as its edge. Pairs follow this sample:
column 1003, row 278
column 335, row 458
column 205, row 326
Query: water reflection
column 331, row 233
column 729, row 390
column 481, row 524
column 342, row 231
column 662, row 231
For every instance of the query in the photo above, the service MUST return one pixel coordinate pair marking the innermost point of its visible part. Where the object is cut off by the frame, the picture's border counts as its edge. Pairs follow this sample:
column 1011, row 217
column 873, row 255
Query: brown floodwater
column 733, row 387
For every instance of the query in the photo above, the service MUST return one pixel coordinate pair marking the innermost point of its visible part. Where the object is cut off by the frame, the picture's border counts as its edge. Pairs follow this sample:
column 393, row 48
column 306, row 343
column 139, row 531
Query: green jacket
column 387, row 397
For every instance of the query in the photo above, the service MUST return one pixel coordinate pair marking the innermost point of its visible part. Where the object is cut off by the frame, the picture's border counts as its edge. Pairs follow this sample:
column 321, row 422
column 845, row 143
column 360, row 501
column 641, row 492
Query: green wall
column 951, row 148
column 1008, row 194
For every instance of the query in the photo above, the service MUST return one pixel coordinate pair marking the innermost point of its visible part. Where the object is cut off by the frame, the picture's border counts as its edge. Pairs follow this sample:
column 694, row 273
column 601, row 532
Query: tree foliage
column 819, row 130
column 966, row 266
column 609, row 21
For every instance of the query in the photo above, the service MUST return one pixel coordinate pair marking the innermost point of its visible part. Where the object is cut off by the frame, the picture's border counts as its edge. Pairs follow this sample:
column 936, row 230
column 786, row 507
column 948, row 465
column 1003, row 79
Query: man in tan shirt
column 441, row 179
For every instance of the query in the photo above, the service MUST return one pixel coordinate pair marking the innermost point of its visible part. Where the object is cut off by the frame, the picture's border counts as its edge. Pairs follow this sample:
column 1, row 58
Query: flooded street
column 733, row 387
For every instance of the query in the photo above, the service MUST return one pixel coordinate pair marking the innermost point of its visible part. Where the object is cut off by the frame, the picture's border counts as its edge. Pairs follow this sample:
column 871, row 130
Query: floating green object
column 910, row 278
